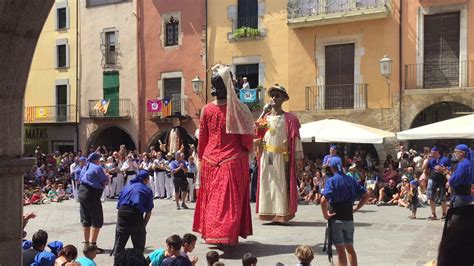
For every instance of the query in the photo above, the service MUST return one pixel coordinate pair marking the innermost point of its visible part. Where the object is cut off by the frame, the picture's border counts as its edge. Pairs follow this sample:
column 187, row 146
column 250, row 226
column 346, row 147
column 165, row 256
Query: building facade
column 108, row 76
column 437, row 60
column 172, row 52
column 335, row 49
column 50, row 112
column 252, row 37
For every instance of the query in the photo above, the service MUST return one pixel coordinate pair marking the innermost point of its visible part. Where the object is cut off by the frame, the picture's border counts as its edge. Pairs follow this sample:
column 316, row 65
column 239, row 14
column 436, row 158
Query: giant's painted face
column 218, row 88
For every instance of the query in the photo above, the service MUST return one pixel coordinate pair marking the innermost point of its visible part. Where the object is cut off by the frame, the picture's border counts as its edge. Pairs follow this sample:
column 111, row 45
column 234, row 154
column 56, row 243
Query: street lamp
column 386, row 71
column 197, row 85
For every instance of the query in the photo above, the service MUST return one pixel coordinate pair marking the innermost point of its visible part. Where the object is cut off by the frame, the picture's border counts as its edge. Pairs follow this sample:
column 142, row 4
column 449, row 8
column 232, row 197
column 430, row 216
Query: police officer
column 135, row 200
column 337, row 202
column 92, row 183
column 460, row 180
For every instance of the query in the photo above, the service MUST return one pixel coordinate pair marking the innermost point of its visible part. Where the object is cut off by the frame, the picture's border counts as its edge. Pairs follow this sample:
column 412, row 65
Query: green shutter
column 111, row 92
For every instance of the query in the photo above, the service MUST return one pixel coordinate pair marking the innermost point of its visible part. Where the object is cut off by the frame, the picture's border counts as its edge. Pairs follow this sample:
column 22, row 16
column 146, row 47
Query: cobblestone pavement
column 383, row 236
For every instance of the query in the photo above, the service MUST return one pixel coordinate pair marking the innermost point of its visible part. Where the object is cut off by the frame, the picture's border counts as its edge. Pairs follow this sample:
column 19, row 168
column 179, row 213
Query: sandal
column 432, row 218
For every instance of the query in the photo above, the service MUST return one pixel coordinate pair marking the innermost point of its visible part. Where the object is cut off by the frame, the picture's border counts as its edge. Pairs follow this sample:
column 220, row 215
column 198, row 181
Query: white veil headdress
column 239, row 119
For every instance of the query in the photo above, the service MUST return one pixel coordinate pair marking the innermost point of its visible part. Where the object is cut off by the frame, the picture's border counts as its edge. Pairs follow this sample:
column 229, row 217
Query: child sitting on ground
column 212, row 257
column 90, row 251
column 173, row 247
column 37, row 197
column 61, row 193
column 175, row 252
column 413, row 198
column 249, row 260
column 53, row 194
column 372, row 198
column 189, row 243
column 305, row 255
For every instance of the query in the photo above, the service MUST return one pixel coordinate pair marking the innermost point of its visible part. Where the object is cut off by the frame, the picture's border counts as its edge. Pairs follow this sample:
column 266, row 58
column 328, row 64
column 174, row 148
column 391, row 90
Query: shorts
column 180, row 185
column 436, row 190
column 342, row 232
column 90, row 206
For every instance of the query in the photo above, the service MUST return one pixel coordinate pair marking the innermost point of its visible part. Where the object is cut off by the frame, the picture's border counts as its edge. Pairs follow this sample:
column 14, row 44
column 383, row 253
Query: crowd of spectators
column 51, row 178
column 400, row 181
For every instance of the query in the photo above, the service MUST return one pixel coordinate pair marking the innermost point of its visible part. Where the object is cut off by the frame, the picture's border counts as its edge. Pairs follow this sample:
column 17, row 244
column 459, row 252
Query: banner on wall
column 154, row 105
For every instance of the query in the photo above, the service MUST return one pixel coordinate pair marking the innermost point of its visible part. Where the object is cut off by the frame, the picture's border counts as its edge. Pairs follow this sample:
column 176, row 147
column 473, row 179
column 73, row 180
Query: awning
column 455, row 128
column 334, row 130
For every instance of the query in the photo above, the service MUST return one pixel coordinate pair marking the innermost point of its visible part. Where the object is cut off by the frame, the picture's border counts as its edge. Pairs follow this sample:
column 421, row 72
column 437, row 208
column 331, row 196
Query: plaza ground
column 383, row 236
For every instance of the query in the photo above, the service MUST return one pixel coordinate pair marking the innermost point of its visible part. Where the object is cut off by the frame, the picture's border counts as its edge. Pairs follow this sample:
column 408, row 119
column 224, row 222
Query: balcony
column 246, row 29
column 176, row 105
column 51, row 114
column 336, row 97
column 116, row 109
column 440, row 75
column 309, row 13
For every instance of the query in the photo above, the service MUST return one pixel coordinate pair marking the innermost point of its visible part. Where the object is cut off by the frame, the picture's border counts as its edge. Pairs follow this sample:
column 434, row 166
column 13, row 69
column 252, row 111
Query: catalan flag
column 102, row 106
column 167, row 108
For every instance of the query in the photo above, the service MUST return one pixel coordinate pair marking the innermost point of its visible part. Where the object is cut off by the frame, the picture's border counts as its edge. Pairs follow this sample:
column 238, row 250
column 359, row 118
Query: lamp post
column 386, row 71
column 197, row 85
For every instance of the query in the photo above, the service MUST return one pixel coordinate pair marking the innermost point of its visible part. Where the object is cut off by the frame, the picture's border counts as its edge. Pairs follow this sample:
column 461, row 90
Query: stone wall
column 415, row 101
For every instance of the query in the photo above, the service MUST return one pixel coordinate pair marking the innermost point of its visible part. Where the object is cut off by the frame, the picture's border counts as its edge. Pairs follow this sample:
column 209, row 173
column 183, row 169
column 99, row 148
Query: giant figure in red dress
column 225, row 139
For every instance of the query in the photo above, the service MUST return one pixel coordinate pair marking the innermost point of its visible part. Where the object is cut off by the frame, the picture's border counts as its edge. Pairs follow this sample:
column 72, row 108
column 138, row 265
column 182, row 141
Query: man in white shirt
column 246, row 84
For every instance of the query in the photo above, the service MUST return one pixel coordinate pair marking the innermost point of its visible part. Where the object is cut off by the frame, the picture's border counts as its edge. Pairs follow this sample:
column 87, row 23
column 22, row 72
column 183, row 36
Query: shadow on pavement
column 323, row 224
column 256, row 248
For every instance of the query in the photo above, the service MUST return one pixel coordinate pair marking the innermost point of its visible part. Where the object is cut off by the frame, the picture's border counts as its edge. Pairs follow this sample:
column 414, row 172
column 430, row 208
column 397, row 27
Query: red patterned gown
column 223, row 208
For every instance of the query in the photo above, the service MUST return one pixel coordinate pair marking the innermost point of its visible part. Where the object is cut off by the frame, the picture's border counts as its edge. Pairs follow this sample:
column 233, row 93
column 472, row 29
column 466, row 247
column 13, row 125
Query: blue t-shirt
column 442, row 161
column 93, row 175
column 462, row 176
column 341, row 191
column 175, row 165
column 157, row 257
column 85, row 261
column 136, row 195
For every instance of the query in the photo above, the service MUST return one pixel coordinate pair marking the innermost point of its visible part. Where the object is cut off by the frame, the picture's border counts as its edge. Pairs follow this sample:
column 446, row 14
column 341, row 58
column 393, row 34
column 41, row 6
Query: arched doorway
column 111, row 137
column 436, row 113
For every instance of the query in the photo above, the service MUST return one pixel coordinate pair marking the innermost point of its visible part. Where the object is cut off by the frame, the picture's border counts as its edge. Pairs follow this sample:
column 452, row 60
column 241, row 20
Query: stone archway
column 435, row 113
column 154, row 140
column 413, row 104
column 21, row 22
column 111, row 136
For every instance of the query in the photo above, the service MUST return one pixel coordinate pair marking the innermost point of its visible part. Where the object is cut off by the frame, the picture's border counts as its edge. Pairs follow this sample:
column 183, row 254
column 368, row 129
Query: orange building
column 171, row 53
column 438, row 60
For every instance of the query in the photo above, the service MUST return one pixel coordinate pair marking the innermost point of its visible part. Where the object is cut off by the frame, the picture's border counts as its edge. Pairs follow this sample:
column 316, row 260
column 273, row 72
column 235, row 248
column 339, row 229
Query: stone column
column 11, row 189
column 21, row 22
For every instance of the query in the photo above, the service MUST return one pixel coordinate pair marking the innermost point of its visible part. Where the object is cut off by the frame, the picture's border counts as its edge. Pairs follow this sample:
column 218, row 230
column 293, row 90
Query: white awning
column 455, row 128
column 334, row 130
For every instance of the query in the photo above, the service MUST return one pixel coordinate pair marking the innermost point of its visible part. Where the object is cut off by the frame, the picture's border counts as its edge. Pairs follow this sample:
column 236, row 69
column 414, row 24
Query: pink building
column 171, row 53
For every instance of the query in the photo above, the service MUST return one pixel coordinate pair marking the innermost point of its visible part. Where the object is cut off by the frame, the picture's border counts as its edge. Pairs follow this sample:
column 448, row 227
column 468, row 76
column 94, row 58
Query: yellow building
column 50, row 113
column 326, row 54
column 252, row 37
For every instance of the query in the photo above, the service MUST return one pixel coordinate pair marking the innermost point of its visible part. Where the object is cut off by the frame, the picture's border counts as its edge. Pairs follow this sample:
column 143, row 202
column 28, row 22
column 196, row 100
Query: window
column 172, row 90
column 112, row 92
column 61, row 102
column 110, row 48
column 249, row 71
column 247, row 14
column 61, row 14
column 92, row 3
column 62, row 53
column 441, row 50
column 339, row 89
column 172, row 32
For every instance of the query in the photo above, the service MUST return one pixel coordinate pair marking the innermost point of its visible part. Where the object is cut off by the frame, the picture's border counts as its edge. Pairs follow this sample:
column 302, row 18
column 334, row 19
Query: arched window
column 172, row 32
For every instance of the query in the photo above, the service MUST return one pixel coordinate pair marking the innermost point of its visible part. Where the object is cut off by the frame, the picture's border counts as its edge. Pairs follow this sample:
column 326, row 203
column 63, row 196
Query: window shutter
column 67, row 55
column 68, row 18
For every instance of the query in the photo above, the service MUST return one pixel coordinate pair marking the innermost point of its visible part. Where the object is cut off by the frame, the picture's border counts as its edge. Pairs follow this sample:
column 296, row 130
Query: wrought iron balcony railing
column 117, row 109
column 440, row 74
column 317, row 12
column 330, row 97
column 63, row 113
column 175, row 105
